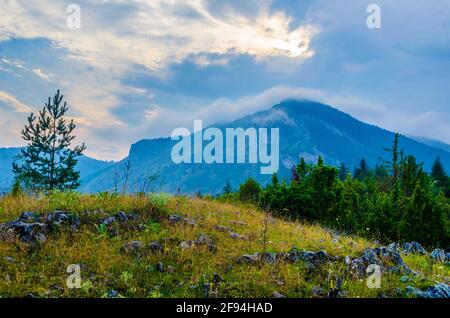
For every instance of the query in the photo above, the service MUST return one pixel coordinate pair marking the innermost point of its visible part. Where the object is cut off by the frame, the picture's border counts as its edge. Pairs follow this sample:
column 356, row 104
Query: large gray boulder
column 32, row 227
column 312, row 259
column 387, row 258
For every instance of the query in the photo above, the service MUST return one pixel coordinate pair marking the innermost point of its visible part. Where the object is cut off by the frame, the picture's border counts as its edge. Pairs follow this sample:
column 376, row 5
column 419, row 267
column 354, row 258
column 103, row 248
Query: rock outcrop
column 33, row 228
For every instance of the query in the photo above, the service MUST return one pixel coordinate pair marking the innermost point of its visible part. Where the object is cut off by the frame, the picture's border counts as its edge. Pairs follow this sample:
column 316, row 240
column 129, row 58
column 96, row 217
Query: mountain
column 307, row 129
column 433, row 143
column 87, row 166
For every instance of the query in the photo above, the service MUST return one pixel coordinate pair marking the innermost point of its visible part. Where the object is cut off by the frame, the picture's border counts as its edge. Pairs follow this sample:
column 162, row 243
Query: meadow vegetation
column 108, row 270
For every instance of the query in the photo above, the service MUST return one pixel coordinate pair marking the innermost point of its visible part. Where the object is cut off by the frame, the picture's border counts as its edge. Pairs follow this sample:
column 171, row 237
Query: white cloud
column 38, row 72
column 13, row 62
column 429, row 124
column 12, row 101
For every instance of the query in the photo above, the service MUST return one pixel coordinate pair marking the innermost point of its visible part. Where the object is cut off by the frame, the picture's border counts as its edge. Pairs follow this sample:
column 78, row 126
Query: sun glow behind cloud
column 154, row 33
column 145, row 67
column 116, row 36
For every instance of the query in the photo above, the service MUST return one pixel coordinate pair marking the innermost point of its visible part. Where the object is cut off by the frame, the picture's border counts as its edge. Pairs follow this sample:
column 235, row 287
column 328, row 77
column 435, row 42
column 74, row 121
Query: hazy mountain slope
column 433, row 143
column 307, row 129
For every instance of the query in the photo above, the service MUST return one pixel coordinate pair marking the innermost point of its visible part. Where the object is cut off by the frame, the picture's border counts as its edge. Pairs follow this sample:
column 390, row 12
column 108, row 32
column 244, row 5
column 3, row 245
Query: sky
column 139, row 69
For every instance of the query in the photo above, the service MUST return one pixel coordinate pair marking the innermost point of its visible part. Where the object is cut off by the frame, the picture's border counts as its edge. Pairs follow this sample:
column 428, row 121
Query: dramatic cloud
column 138, row 69
column 154, row 33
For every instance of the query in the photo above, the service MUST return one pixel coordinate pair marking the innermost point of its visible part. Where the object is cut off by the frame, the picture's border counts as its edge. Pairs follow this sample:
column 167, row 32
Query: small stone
column 203, row 240
column 175, row 218
column 9, row 259
column 312, row 259
column 276, row 294
column 216, row 278
column 108, row 221
column 248, row 258
column 170, row 269
column 212, row 247
column 187, row 244
column 154, row 247
column 222, row 228
column 237, row 236
column 348, row 260
column 317, row 292
column 239, row 223
column 112, row 294
column 191, row 222
column 413, row 247
column 438, row 255
column 133, row 247
column 28, row 217
column 394, row 246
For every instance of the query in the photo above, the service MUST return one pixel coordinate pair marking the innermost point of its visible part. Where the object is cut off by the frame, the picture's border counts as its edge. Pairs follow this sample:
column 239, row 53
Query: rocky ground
column 181, row 247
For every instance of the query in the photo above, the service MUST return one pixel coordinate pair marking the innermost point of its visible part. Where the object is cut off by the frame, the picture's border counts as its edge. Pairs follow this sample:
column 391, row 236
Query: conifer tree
column 302, row 169
column 227, row 189
column 380, row 171
column 249, row 191
column 362, row 171
column 343, row 172
column 396, row 154
column 438, row 173
column 48, row 162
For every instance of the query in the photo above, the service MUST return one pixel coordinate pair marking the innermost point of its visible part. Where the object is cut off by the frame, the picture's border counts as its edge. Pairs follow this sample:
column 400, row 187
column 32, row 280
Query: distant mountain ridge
column 86, row 165
column 433, row 143
column 307, row 129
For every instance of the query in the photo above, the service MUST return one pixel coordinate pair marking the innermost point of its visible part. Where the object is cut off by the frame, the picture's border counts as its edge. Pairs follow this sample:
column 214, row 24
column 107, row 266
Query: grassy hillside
column 200, row 256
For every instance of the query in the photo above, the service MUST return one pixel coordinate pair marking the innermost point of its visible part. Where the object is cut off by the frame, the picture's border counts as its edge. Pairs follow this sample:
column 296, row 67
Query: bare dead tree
column 265, row 229
column 127, row 169
column 146, row 182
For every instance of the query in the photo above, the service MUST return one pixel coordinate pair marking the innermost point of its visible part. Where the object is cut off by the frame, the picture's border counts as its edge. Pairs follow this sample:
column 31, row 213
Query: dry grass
column 104, row 266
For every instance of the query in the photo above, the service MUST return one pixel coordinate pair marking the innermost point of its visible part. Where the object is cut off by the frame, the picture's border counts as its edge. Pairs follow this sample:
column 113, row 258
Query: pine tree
column 48, row 162
column 410, row 172
column 362, row 171
column 380, row 171
column 250, row 191
column 396, row 158
column 438, row 173
column 440, row 176
column 302, row 168
column 227, row 189
column 275, row 181
column 294, row 174
column 343, row 172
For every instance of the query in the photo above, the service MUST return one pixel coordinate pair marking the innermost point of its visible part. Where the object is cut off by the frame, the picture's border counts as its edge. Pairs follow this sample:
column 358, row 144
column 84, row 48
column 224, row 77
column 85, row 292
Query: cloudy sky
column 138, row 69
